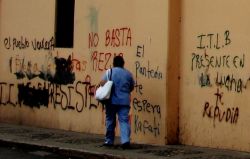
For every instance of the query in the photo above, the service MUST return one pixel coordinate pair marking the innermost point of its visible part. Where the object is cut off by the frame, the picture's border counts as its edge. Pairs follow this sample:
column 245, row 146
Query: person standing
column 119, row 102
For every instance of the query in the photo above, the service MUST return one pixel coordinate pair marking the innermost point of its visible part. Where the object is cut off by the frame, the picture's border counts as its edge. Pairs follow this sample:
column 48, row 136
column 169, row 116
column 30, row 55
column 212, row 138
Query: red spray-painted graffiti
column 114, row 38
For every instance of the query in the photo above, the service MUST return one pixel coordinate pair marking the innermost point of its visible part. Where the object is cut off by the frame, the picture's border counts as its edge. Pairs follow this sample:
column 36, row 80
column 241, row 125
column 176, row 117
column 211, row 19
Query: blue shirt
column 123, row 84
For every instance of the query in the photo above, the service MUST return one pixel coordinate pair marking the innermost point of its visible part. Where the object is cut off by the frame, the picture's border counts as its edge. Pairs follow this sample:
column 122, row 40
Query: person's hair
column 118, row 61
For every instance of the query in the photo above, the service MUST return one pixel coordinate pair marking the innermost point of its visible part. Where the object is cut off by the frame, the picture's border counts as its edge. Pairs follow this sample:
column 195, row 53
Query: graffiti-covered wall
column 48, row 83
column 214, row 109
column 189, row 60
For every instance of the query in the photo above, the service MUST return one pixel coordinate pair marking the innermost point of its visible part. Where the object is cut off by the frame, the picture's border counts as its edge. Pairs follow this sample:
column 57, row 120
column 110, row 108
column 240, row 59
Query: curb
column 63, row 151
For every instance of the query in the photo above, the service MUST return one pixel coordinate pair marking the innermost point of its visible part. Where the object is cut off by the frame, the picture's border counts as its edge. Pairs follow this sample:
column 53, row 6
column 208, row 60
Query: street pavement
column 82, row 145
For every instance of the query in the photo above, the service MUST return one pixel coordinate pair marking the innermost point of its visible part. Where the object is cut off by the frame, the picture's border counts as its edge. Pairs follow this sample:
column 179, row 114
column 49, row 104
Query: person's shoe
column 107, row 144
column 126, row 145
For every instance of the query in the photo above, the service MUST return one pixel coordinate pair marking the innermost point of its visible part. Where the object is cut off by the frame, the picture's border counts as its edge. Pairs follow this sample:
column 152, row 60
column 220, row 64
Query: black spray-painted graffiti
column 144, row 126
column 25, row 43
column 75, row 96
column 61, row 74
column 221, row 61
column 208, row 67
column 213, row 40
column 219, row 112
column 64, row 74
column 230, row 82
column 147, row 71
column 147, row 115
column 204, row 80
column 31, row 96
column 145, row 106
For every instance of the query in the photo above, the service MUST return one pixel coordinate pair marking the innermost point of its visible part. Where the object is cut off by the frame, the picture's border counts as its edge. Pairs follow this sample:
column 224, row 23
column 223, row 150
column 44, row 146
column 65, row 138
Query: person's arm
column 104, row 79
column 102, row 82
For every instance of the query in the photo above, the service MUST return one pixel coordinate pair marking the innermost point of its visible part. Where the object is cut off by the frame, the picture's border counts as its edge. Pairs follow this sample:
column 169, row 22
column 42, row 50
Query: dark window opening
column 64, row 29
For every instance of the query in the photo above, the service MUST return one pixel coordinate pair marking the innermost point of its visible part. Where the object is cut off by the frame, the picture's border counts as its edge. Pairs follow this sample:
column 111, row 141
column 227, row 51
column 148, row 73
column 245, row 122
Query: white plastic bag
column 103, row 92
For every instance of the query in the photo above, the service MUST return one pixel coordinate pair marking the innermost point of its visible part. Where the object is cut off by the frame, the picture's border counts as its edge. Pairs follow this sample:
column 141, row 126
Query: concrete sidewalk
column 84, row 145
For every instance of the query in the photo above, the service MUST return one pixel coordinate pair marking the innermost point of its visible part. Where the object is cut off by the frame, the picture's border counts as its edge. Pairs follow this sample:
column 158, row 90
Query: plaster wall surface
column 214, row 87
